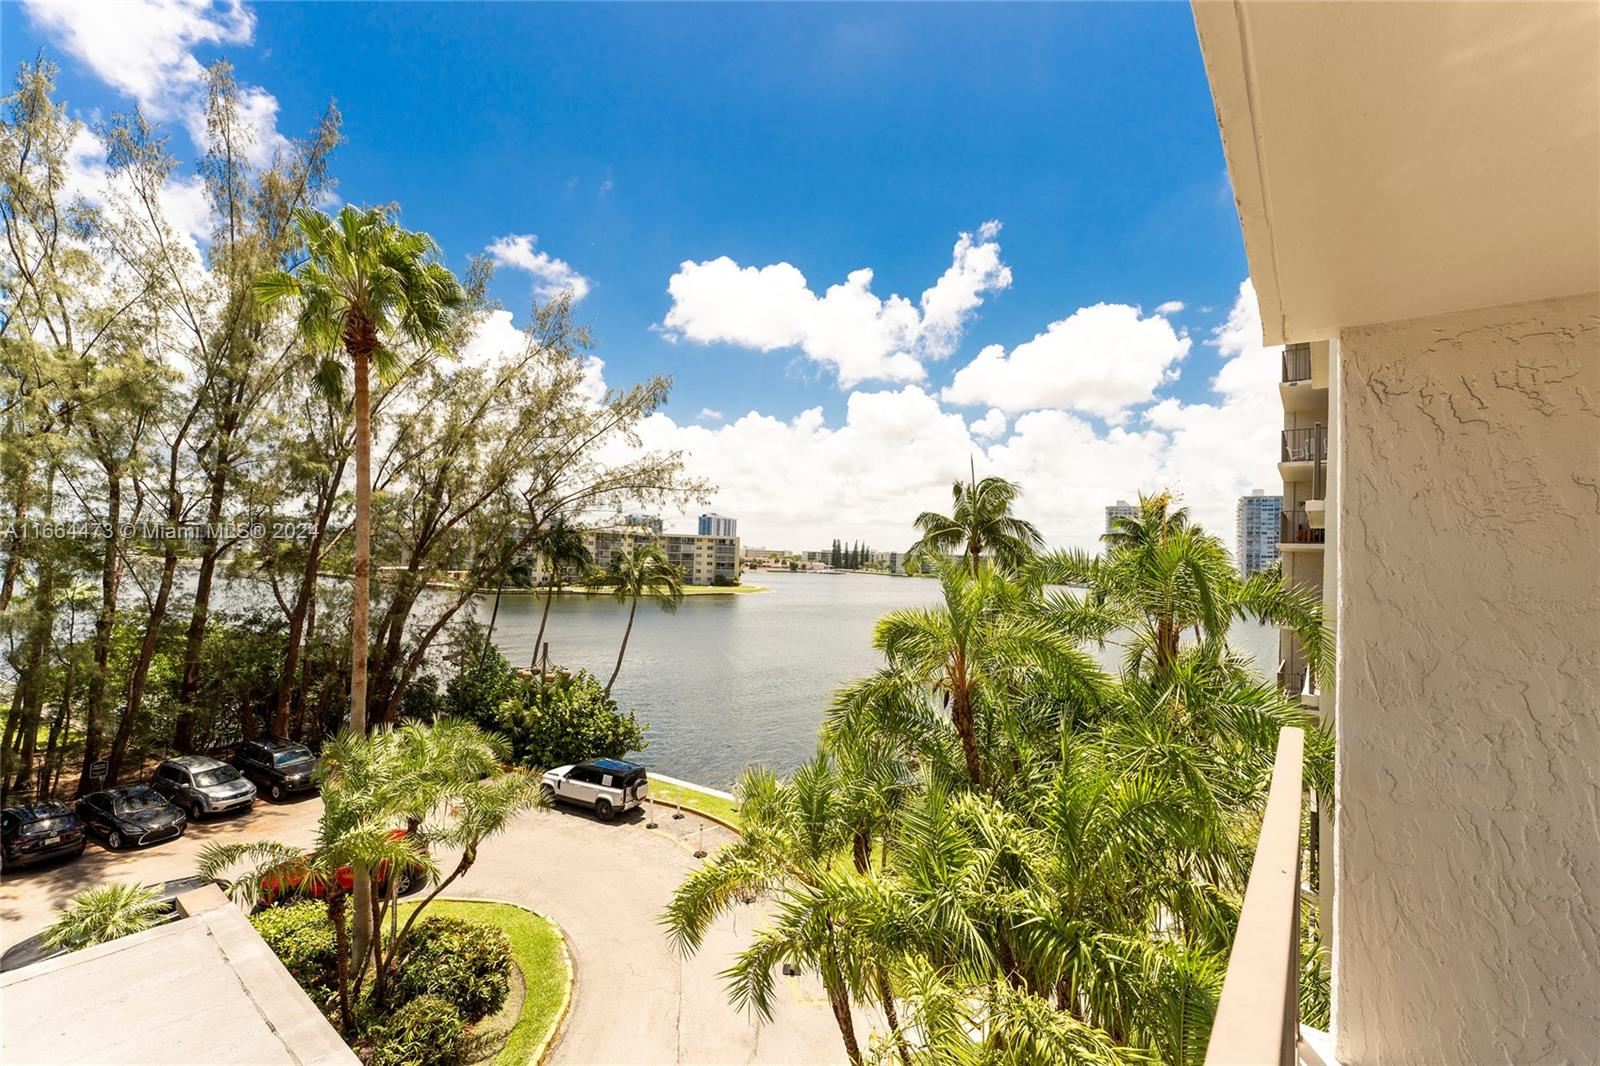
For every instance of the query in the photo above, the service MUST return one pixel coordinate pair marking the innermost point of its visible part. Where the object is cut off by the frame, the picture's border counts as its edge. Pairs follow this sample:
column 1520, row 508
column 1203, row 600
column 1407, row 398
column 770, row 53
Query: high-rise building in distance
column 1257, row 518
column 716, row 525
column 1120, row 509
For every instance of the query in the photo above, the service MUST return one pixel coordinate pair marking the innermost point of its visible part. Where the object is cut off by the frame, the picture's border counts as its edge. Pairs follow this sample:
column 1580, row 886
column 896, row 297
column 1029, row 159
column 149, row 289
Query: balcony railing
column 1293, row 528
column 1258, row 1014
column 1305, row 445
column 1297, row 362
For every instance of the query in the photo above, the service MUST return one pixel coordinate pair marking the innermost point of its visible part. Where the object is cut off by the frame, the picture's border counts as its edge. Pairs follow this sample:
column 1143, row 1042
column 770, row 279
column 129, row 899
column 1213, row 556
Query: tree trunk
column 839, row 1000
column 104, row 622
column 538, row 641
column 961, row 718
column 362, row 350
column 141, row 666
column 494, row 615
column 886, row 994
column 624, row 649
column 196, row 635
column 341, row 943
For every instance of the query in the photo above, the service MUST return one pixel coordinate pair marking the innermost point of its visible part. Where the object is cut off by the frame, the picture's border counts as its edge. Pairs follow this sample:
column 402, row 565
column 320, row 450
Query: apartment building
column 717, row 525
column 1416, row 185
column 705, row 560
column 648, row 521
column 1120, row 509
column 1306, row 469
column 1256, row 521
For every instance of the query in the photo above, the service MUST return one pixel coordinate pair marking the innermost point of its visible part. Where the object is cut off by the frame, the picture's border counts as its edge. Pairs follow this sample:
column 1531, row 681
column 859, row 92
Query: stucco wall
column 1468, row 926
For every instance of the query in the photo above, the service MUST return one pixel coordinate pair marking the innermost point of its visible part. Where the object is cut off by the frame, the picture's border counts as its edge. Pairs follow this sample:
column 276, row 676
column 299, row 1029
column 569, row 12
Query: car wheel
column 603, row 810
column 79, row 853
column 113, row 840
column 276, row 792
column 548, row 793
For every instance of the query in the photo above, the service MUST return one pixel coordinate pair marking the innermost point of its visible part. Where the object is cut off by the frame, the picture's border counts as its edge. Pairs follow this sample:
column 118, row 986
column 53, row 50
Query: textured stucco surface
column 1468, row 927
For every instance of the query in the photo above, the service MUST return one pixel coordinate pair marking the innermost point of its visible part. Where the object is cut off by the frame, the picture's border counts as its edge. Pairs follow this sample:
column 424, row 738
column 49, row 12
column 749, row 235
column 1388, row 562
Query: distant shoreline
column 580, row 590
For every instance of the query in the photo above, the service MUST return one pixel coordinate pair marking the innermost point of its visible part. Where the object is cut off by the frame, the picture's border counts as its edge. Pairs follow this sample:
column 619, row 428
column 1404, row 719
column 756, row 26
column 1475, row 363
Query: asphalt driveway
column 605, row 884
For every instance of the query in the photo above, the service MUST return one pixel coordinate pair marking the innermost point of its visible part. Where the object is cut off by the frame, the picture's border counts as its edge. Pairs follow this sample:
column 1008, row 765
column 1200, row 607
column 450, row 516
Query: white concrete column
column 1467, row 903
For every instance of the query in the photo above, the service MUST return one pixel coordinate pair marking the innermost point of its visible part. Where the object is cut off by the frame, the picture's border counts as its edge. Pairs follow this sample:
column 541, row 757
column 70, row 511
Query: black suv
column 277, row 766
column 39, row 832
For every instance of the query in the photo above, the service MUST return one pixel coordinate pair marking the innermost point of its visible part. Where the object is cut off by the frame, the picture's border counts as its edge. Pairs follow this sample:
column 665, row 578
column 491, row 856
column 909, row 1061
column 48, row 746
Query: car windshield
column 135, row 800
column 290, row 756
column 220, row 776
column 48, row 825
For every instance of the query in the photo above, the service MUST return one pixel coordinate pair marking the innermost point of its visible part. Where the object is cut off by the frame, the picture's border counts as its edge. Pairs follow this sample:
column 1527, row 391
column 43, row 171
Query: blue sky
column 659, row 157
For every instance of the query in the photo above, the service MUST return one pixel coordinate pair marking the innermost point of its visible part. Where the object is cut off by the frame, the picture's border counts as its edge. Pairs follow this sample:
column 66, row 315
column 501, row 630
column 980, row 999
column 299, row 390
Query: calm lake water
column 734, row 680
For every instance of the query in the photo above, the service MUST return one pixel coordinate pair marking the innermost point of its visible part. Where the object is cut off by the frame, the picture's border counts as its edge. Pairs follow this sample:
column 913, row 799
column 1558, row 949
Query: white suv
column 605, row 786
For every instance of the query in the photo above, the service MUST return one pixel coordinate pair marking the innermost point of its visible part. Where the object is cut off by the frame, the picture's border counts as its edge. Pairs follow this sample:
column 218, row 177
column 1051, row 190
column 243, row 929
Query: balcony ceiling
column 1397, row 160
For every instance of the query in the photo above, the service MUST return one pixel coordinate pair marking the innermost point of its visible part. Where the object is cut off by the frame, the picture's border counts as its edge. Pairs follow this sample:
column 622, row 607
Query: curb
column 547, row 1043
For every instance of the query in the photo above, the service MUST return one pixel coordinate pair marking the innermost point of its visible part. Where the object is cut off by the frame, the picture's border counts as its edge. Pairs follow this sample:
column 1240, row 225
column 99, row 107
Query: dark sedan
column 278, row 767
column 33, row 949
column 133, row 814
column 39, row 832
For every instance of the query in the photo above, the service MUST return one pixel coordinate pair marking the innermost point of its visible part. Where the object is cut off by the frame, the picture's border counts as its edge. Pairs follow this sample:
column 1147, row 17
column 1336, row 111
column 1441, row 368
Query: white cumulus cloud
column 800, row 482
column 1171, row 307
column 849, row 329
column 1100, row 360
column 551, row 276
column 146, row 50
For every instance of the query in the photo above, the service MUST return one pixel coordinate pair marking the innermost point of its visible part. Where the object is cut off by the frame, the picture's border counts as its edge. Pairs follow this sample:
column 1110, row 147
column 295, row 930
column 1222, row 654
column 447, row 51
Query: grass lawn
column 666, row 794
column 536, row 949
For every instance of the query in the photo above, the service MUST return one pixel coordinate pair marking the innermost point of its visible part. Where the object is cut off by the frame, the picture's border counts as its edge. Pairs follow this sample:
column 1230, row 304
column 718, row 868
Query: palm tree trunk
column 360, row 606
column 624, row 649
column 886, row 993
column 488, row 636
column 341, row 943
column 839, row 1000
column 961, row 718
column 538, row 641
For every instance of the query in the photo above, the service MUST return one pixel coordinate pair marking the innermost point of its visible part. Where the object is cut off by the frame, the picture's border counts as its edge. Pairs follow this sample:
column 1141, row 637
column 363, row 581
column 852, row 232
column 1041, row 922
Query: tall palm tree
column 640, row 571
column 1161, row 575
column 561, row 545
column 367, row 286
column 791, row 834
column 519, row 572
column 974, row 653
column 980, row 520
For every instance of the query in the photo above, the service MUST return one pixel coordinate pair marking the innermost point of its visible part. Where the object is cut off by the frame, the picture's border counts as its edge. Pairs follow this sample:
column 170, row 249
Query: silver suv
column 202, row 785
column 606, row 786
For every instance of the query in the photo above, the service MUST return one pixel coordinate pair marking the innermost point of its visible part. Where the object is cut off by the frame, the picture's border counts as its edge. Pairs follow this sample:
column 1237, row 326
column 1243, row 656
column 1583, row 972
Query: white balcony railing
column 1258, row 1015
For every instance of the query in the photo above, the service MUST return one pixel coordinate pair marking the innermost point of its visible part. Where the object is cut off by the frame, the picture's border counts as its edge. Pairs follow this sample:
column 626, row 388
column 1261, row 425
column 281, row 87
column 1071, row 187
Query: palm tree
column 342, row 843
column 561, row 545
column 639, row 571
column 519, row 572
column 980, row 520
column 791, row 834
column 975, row 653
column 1162, row 576
column 366, row 285
column 104, row 913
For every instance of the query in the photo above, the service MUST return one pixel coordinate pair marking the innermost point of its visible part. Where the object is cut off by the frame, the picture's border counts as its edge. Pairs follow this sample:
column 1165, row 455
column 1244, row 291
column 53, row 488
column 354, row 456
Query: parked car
column 275, row 890
column 132, row 814
column 203, row 785
column 276, row 766
column 33, row 949
column 606, row 786
column 37, row 832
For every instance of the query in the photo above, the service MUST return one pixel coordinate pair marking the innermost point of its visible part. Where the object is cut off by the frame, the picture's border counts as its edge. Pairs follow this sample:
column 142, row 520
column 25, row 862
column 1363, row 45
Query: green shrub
column 485, row 680
column 428, row 1031
column 302, row 938
column 466, row 963
column 566, row 719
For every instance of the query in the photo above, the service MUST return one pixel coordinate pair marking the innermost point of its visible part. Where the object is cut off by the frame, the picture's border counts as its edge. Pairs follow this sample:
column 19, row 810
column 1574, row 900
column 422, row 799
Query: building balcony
column 1295, row 531
column 1303, row 457
column 1296, row 363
